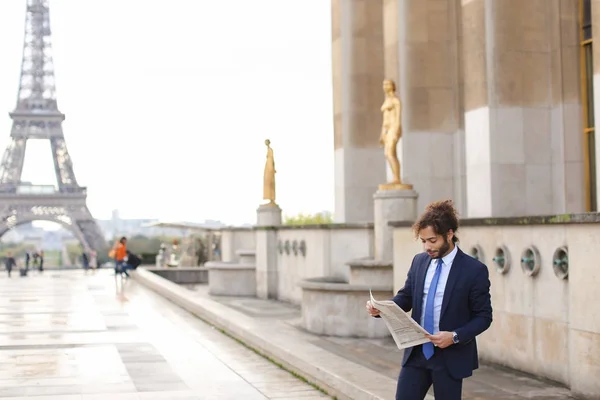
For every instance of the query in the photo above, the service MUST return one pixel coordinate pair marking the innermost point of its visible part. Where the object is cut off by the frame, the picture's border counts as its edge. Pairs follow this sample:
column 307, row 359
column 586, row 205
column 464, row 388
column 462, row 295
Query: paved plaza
column 65, row 335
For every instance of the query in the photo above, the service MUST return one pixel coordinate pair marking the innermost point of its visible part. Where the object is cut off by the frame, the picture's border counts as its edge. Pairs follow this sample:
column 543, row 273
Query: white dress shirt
column 439, row 293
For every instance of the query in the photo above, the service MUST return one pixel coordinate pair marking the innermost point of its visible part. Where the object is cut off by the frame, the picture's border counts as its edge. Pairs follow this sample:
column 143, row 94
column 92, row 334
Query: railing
column 36, row 189
column 41, row 189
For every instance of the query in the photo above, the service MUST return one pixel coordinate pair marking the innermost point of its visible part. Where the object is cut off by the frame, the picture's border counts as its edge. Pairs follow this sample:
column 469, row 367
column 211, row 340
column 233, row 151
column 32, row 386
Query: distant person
column 217, row 250
column 201, row 257
column 449, row 294
column 9, row 263
column 120, row 256
column 27, row 258
column 41, row 265
column 162, row 255
column 93, row 260
column 85, row 260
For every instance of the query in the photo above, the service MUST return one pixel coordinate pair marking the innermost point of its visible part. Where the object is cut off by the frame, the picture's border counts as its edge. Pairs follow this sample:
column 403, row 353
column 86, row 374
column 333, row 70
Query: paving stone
column 72, row 336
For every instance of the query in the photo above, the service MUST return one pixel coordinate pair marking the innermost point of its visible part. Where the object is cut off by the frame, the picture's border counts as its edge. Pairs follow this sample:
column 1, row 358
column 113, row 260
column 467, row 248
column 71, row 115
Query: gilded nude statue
column 391, row 129
column 269, row 176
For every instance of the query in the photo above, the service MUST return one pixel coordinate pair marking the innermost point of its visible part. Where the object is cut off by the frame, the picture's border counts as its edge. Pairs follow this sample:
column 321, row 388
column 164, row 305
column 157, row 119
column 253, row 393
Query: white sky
column 168, row 103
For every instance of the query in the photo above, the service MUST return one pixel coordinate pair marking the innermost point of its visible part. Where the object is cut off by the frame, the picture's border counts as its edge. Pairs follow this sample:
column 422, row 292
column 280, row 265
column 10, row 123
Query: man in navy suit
column 449, row 294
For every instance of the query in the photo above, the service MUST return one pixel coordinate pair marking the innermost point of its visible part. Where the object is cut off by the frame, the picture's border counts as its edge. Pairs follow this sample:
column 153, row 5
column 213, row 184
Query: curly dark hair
column 441, row 216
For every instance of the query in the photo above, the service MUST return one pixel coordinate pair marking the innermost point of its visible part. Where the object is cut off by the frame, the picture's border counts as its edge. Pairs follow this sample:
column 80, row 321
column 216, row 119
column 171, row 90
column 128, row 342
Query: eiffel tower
column 36, row 116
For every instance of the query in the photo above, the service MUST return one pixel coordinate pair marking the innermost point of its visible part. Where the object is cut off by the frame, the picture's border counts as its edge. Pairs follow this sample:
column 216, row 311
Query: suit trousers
column 417, row 376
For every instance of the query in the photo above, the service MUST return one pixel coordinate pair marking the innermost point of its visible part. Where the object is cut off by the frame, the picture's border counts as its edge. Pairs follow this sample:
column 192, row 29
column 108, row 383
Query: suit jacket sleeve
column 404, row 296
column 480, row 305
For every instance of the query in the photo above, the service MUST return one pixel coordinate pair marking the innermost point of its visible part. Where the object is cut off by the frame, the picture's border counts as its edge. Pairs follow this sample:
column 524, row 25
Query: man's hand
column 372, row 310
column 441, row 339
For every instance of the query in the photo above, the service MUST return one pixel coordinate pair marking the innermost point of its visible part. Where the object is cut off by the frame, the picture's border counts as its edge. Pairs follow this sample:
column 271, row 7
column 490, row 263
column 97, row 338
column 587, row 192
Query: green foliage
column 17, row 249
column 74, row 252
column 309, row 219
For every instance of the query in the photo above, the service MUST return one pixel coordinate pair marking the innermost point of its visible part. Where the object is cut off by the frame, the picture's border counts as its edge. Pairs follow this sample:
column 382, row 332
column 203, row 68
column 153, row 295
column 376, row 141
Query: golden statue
column 269, row 177
column 391, row 132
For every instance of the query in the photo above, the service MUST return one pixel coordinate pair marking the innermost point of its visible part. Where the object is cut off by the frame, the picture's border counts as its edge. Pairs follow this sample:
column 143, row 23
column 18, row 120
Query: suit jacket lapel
column 420, row 285
column 452, row 278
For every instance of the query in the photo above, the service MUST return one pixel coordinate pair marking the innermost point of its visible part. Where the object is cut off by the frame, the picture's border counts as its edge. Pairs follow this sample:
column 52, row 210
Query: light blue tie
column 428, row 320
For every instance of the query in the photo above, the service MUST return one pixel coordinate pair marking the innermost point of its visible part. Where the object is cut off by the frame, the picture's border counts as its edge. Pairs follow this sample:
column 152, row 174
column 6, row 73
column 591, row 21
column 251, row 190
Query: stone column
column 432, row 144
column 267, row 279
column 391, row 47
column 357, row 59
column 522, row 113
column 594, row 111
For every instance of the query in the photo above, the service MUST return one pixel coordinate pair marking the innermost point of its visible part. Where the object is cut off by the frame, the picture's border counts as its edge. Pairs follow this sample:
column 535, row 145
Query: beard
column 442, row 250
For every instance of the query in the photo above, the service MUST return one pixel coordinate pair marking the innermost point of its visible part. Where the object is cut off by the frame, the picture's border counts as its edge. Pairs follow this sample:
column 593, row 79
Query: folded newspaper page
column 405, row 330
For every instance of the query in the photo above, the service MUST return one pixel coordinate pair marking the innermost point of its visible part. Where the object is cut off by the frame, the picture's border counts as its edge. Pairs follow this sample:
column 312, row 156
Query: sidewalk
column 344, row 367
column 70, row 336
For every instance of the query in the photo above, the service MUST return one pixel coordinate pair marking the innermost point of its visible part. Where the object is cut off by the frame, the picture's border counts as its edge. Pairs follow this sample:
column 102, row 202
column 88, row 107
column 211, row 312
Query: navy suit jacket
column 466, row 308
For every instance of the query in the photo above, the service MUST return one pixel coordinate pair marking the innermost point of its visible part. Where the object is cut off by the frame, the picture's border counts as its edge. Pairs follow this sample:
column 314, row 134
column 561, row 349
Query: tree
column 309, row 219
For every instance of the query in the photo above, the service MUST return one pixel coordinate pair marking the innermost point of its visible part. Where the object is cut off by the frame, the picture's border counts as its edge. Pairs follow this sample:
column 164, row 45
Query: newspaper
column 405, row 330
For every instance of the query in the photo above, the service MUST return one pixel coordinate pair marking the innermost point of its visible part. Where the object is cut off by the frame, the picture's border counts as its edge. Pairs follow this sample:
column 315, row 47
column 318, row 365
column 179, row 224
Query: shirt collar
column 449, row 258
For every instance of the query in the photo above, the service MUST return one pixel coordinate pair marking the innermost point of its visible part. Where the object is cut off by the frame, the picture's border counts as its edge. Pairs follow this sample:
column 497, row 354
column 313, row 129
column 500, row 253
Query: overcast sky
column 168, row 103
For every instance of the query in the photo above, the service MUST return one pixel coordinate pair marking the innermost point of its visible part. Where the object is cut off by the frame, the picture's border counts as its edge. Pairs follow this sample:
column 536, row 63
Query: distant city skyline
column 167, row 113
column 116, row 226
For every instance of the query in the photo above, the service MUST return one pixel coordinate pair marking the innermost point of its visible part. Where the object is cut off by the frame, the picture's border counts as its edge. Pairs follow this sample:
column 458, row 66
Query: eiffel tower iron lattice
column 37, row 116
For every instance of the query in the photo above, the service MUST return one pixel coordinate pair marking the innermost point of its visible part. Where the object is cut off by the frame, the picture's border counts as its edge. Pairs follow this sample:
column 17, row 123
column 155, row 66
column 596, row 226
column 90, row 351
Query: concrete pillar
column 357, row 47
column 267, row 278
column 522, row 109
column 391, row 46
column 432, row 144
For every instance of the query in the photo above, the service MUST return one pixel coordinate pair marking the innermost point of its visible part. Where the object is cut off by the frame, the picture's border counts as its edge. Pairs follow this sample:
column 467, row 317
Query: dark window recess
column 587, row 20
column 589, row 83
column 592, row 170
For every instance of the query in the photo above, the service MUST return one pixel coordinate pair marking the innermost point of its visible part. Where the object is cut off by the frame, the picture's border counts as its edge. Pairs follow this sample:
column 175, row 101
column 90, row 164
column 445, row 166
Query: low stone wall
column 182, row 275
column 545, row 319
column 337, row 308
column 371, row 272
column 311, row 251
column 231, row 279
column 234, row 238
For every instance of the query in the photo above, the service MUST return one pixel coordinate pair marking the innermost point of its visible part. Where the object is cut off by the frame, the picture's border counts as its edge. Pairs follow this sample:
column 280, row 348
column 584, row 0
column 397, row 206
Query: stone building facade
column 498, row 103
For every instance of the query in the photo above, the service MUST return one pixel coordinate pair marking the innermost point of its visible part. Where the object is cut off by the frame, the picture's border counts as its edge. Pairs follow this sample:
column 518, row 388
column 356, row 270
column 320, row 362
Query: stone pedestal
column 266, row 251
column 268, row 215
column 267, row 279
column 391, row 205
